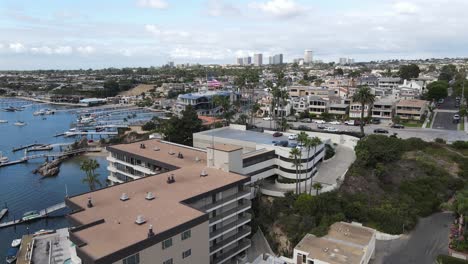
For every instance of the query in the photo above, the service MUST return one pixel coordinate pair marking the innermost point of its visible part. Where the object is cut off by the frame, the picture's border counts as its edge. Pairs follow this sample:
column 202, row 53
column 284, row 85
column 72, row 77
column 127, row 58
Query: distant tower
column 308, row 56
column 258, row 59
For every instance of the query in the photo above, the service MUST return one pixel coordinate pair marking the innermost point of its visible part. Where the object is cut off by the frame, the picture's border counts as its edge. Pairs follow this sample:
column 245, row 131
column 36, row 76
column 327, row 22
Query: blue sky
column 73, row 34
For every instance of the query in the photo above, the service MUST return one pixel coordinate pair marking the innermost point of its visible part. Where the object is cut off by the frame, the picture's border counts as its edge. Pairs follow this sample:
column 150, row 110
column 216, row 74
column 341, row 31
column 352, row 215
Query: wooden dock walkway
column 26, row 147
column 42, row 214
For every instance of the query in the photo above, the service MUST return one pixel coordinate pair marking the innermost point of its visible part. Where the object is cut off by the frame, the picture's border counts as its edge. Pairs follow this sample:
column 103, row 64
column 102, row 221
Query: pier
column 27, row 146
column 42, row 214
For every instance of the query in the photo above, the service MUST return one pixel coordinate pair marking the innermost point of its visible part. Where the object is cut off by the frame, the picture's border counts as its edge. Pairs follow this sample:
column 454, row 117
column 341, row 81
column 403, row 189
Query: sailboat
column 3, row 159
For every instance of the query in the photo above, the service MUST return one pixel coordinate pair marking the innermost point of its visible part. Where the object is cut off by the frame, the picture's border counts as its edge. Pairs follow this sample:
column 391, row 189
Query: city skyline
column 134, row 33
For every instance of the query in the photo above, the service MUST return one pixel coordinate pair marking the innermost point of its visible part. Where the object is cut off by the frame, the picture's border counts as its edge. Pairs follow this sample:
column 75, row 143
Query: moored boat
column 43, row 232
column 3, row 159
column 20, row 123
column 2, row 121
column 30, row 215
column 11, row 255
column 16, row 242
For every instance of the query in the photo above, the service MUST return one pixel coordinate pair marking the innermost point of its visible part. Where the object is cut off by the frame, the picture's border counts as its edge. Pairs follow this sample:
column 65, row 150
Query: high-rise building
column 308, row 56
column 270, row 60
column 258, row 59
column 247, row 60
column 170, row 64
column 278, row 59
column 343, row 61
column 240, row 61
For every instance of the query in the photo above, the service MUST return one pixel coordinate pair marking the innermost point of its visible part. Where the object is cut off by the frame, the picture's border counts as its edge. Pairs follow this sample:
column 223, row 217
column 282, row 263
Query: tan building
column 345, row 243
column 411, row 109
column 383, row 109
column 300, row 91
column 189, row 210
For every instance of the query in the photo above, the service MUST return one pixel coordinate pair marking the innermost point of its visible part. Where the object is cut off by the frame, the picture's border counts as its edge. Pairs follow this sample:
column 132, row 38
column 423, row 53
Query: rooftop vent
column 346, row 234
column 197, row 159
column 140, row 220
column 203, row 173
column 171, row 152
column 124, row 197
column 90, row 202
column 142, row 146
column 325, row 250
column 149, row 196
column 150, row 231
column 156, row 149
column 180, row 156
column 170, row 179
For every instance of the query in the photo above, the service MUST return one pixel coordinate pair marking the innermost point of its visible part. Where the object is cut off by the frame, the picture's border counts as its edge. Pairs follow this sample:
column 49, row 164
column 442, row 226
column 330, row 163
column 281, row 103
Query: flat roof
column 225, row 147
column 412, row 102
column 244, row 135
column 167, row 211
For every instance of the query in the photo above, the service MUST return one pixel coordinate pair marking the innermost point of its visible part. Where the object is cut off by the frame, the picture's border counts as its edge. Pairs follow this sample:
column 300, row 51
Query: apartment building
column 355, row 110
column 412, row 109
column 202, row 102
column 189, row 210
column 317, row 105
column 301, row 91
column 338, row 109
column 349, row 243
column 383, row 109
column 389, row 83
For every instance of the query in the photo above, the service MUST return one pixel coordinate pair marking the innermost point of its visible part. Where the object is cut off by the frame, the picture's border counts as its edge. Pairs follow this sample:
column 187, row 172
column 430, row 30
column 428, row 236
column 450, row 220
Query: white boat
column 43, row 232
column 3, row 121
column 20, row 123
column 40, row 112
column 3, row 159
column 16, row 242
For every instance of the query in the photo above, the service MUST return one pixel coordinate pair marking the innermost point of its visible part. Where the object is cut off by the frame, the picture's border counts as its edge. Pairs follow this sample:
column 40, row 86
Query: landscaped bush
column 460, row 144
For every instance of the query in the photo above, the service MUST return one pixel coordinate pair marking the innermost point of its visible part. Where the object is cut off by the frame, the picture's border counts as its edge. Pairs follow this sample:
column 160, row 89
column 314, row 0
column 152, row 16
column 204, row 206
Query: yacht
column 3, row 159
column 40, row 112
column 16, row 242
column 50, row 112
column 20, row 123
column 3, row 121
column 30, row 215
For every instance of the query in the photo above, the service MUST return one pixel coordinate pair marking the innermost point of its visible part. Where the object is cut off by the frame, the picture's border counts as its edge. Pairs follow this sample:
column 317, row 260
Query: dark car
column 302, row 127
column 380, row 131
column 375, row 121
column 277, row 134
column 399, row 126
column 321, row 127
column 292, row 145
column 282, row 143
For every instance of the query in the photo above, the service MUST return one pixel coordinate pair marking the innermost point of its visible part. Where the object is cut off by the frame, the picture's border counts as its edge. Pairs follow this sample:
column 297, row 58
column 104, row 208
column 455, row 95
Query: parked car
column 321, row 127
column 292, row 145
column 292, row 137
column 349, row 122
column 380, row 131
column 267, row 118
column 291, row 118
column 331, row 129
column 282, row 143
column 319, row 121
column 335, row 122
column 302, row 127
column 277, row 134
column 399, row 126
column 456, row 117
column 375, row 121
column 306, row 120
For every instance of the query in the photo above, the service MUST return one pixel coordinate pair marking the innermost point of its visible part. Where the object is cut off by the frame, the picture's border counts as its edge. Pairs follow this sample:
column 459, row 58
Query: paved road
column 444, row 120
column 422, row 245
column 425, row 134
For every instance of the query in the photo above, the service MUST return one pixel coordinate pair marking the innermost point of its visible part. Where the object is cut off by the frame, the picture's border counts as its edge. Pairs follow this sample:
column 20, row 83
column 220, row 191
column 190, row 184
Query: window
column 187, row 234
column 186, row 254
column 167, row 243
column 169, row 261
column 134, row 259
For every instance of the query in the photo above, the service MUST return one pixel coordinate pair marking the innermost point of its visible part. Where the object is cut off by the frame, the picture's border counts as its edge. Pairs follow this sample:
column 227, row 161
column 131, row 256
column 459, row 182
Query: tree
column 338, row 71
column 364, row 96
column 89, row 166
column 294, row 154
column 309, row 144
column 225, row 104
column 283, row 124
column 317, row 186
column 407, row 72
column 437, row 90
column 448, row 72
column 180, row 130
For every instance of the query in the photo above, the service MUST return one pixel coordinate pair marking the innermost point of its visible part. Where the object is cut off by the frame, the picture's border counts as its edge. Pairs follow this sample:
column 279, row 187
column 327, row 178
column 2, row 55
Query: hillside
column 138, row 90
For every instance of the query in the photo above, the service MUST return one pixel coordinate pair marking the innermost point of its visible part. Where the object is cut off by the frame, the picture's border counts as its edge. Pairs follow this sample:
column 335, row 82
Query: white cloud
column 165, row 34
column 405, row 8
column 86, row 50
column 156, row 4
column 218, row 8
column 17, row 47
column 60, row 50
column 279, row 8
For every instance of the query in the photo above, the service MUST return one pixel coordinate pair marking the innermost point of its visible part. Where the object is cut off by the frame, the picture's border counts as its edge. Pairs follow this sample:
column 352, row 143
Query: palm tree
column 283, row 124
column 89, row 166
column 312, row 143
column 364, row 96
column 317, row 186
column 294, row 153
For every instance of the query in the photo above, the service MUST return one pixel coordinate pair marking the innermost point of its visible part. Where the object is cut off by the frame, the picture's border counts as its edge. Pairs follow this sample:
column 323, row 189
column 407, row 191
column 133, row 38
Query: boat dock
column 23, row 256
column 27, row 146
column 14, row 162
column 42, row 214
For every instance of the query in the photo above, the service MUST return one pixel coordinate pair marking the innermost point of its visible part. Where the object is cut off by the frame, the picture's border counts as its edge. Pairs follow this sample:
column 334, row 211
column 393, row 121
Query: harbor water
column 23, row 191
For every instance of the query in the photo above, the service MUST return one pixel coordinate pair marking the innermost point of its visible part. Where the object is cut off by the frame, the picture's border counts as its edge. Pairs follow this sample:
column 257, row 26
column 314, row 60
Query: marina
column 41, row 214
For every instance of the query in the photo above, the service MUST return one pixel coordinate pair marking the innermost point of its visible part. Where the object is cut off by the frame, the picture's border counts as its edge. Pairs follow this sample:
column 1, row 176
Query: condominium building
column 383, row 109
column 191, row 210
column 202, row 102
column 338, row 109
column 277, row 59
column 247, row 60
column 258, row 59
column 349, row 243
column 317, row 105
column 240, row 61
column 411, row 109
column 300, row 91
column 308, row 56
column 355, row 110
column 389, row 83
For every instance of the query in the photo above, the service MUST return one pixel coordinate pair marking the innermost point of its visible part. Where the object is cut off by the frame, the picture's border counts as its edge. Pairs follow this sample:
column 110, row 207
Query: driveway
column 329, row 171
column 428, row 240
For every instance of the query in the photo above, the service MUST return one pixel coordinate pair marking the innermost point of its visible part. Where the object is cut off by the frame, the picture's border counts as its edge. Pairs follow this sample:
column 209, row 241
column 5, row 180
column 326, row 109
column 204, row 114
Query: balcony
column 225, row 201
column 243, row 245
column 230, row 213
column 231, row 226
column 135, row 167
column 245, row 231
column 115, row 170
column 114, row 179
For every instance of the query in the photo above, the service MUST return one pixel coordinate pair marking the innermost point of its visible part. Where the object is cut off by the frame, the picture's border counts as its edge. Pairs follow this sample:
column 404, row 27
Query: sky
column 82, row 34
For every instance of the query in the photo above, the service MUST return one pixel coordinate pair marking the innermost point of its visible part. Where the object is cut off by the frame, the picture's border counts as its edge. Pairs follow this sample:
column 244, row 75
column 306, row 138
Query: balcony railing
column 230, row 213
column 243, row 245
column 231, row 226
column 225, row 201
column 245, row 231
column 135, row 167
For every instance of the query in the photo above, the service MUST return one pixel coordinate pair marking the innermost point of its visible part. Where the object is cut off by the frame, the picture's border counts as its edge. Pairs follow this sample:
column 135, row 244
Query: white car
column 292, row 137
column 268, row 118
column 319, row 121
column 335, row 122
column 331, row 129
